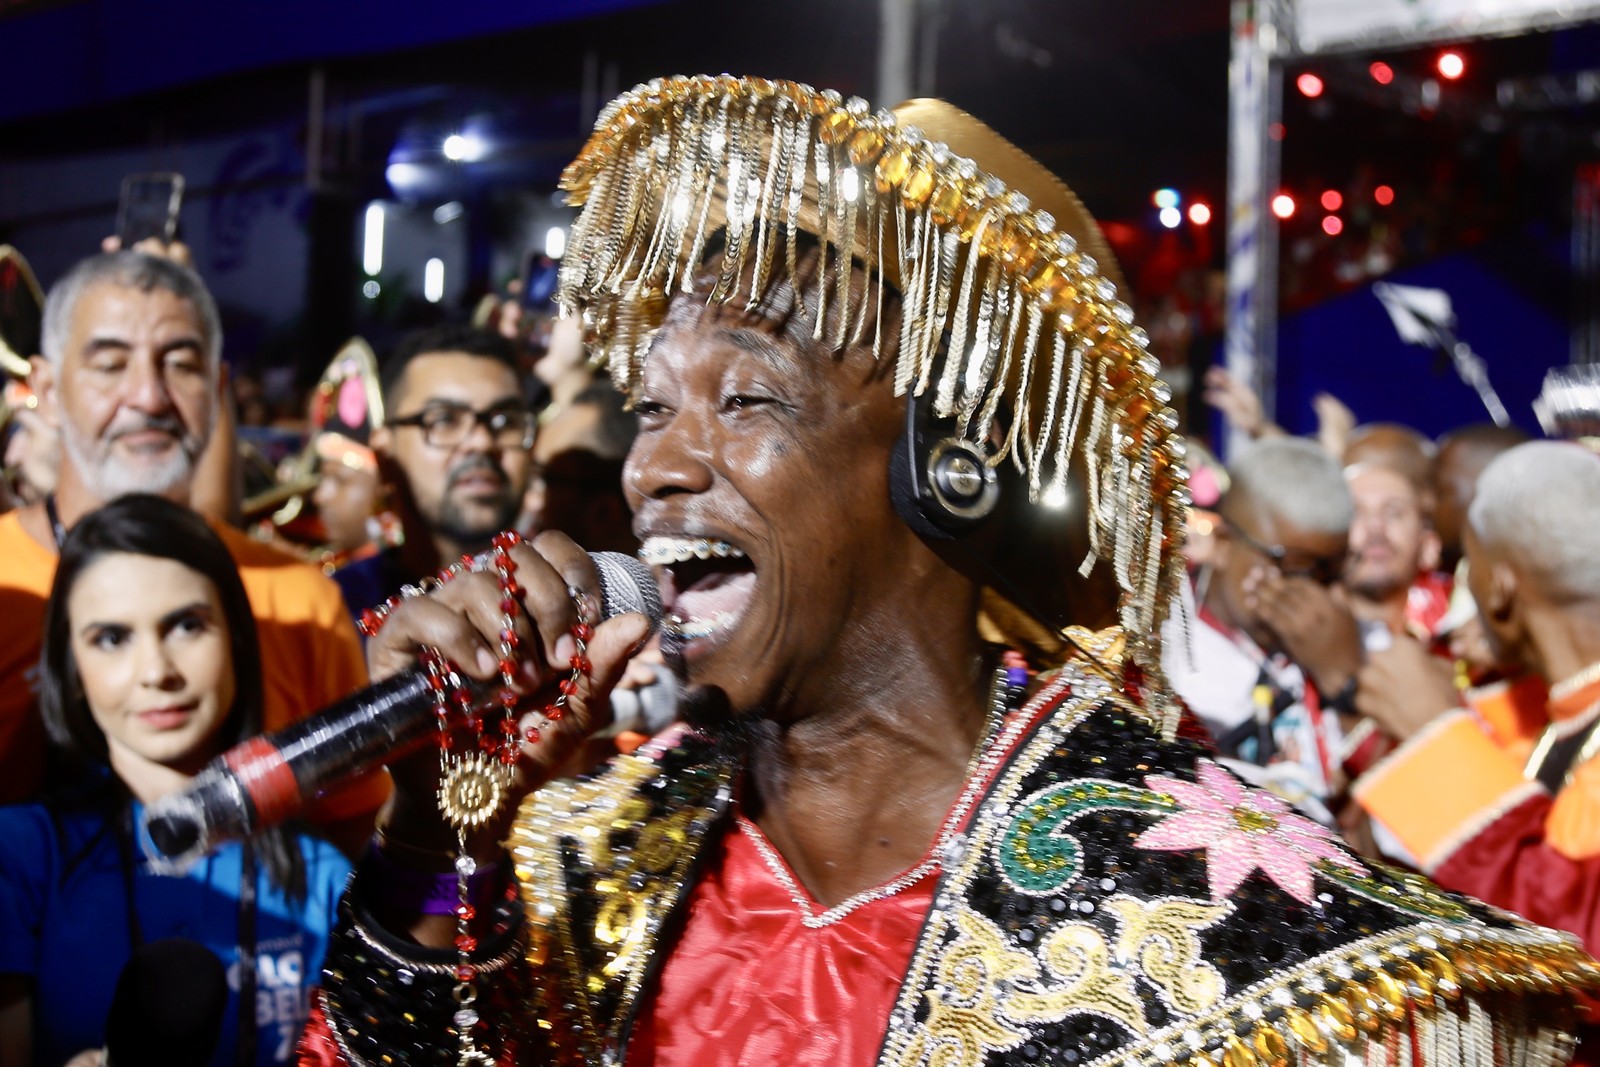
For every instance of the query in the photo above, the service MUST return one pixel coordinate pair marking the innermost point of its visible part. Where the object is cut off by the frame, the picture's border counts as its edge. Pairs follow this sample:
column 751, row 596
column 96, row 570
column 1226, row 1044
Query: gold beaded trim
column 1047, row 368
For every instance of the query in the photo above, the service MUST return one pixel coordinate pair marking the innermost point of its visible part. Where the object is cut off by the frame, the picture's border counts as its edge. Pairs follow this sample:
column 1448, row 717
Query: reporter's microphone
column 265, row 779
column 167, row 1008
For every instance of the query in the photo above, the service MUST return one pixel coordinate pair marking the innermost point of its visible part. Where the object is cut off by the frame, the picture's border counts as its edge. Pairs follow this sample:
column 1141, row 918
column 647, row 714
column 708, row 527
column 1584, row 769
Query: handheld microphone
column 265, row 779
column 167, row 1008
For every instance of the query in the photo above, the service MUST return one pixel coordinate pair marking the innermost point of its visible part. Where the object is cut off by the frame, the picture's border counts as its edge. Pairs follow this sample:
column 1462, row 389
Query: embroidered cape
column 1116, row 898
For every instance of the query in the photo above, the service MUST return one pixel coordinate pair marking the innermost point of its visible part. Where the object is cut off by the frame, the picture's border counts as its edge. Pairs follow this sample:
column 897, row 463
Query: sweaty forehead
column 776, row 333
column 693, row 334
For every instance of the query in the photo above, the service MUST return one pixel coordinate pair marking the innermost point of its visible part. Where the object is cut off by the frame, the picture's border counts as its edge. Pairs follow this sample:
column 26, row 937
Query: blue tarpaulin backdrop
column 1348, row 347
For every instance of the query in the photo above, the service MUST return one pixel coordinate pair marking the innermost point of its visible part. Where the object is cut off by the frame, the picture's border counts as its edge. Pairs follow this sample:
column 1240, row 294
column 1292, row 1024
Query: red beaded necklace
column 475, row 773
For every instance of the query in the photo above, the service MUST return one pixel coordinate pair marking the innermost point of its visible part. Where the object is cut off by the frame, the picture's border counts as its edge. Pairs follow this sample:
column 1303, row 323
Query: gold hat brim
column 969, row 136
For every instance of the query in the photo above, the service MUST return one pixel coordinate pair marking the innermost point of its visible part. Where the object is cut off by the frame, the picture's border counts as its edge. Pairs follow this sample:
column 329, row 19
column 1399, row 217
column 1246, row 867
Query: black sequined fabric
column 1080, row 963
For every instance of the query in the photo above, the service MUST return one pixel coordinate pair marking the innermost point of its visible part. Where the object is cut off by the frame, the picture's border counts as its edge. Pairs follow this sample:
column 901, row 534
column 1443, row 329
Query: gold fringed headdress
column 984, row 246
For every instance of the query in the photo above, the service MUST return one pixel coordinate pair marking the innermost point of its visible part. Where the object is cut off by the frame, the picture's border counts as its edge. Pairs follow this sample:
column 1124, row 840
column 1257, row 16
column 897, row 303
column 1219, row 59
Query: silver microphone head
column 626, row 585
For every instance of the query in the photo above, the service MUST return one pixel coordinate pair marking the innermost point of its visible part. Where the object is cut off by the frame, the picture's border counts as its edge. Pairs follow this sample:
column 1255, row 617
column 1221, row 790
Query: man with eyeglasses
column 454, row 450
column 1276, row 651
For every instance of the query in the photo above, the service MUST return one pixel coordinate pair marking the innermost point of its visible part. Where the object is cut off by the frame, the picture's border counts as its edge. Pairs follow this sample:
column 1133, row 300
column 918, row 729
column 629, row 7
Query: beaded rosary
column 474, row 779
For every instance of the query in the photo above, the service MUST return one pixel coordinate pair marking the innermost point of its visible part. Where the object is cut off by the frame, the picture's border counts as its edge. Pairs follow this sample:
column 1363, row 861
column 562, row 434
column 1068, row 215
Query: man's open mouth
column 706, row 584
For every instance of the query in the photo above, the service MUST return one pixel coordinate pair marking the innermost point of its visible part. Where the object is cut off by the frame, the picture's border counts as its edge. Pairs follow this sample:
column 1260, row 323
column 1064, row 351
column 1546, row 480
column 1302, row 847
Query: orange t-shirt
column 310, row 655
column 1484, row 763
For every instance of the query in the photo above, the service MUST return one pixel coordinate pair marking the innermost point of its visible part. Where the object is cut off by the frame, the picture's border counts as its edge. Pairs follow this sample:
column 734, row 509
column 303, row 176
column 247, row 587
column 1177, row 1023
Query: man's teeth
column 661, row 551
column 690, row 629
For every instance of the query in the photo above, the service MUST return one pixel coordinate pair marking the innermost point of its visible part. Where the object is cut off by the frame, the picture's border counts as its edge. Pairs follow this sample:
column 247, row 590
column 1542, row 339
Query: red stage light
column 1283, row 205
column 1331, row 225
column 1384, row 195
column 1332, row 200
column 1199, row 213
column 1451, row 65
column 1381, row 72
column 1309, row 84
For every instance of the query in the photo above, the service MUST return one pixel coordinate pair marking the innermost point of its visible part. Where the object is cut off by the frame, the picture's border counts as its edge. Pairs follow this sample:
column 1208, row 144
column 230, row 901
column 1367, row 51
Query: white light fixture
column 433, row 280
column 1170, row 217
column 370, row 289
column 448, row 212
column 372, row 242
column 555, row 242
column 463, row 148
column 403, row 176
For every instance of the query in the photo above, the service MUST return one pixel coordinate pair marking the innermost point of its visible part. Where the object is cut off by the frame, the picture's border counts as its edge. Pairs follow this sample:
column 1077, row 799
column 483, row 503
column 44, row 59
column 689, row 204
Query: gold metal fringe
column 675, row 161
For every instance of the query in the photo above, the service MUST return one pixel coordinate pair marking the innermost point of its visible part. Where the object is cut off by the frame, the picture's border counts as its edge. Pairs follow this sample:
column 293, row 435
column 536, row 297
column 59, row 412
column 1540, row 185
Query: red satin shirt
column 747, row 982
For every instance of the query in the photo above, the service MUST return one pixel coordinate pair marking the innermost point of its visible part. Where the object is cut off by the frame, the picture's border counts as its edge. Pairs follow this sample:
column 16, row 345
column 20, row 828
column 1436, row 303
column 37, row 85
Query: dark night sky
column 1118, row 98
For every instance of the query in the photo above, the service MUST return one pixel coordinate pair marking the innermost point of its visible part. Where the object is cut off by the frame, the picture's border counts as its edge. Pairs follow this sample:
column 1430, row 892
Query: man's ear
column 42, row 380
column 381, row 440
column 1503, row 587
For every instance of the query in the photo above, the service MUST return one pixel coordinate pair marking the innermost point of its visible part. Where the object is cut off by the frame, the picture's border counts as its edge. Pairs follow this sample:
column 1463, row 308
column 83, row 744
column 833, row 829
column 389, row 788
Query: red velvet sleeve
column 1509, row 864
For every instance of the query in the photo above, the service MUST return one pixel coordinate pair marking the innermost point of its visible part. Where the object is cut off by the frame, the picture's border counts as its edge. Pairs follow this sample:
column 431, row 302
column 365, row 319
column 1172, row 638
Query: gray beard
column 108, row 477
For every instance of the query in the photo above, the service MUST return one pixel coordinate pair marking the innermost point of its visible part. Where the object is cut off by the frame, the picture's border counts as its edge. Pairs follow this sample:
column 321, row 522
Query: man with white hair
column 1276, row 641
column 1479, row 820
column 132, row 346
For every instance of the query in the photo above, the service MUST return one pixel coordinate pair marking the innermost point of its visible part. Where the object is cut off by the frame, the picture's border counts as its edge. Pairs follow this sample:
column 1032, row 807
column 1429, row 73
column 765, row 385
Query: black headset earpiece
column 940, row 483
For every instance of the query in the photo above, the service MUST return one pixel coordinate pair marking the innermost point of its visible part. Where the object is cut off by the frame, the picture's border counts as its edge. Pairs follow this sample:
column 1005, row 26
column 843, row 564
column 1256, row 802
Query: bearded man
column 129, row 377
column 453, row 450
column 881, row 369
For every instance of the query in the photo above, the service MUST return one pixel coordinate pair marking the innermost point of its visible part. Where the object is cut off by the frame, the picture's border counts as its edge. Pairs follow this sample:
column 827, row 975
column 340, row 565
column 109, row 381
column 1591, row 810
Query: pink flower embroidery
column 1241, row 830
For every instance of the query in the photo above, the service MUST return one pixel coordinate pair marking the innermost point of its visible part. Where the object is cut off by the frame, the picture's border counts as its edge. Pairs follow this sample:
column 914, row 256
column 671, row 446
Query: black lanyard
column 58, row 531
column 245, row 1052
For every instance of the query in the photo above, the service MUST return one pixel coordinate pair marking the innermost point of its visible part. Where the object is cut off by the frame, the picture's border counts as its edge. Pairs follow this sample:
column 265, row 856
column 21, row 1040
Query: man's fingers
column 614, row 643
column 577, row 573
column 423, row 622
column 546, row 600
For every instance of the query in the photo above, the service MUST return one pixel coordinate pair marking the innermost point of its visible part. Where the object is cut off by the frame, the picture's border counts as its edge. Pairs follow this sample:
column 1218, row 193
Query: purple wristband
column 426, row 892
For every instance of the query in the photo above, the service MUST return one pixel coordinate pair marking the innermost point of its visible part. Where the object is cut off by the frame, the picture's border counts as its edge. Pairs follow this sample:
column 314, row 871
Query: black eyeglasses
column 447, row 425
column 1324, row 570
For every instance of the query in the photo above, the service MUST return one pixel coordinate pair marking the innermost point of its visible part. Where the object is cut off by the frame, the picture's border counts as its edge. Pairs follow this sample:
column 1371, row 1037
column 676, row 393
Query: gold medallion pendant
column 471, row 790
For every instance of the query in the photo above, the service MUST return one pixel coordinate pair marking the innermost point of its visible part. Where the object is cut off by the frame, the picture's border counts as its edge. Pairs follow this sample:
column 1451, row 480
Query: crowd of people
column 975, row 729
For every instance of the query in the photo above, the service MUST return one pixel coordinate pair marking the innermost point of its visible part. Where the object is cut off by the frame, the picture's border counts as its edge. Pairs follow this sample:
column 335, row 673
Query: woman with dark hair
column 150, row 668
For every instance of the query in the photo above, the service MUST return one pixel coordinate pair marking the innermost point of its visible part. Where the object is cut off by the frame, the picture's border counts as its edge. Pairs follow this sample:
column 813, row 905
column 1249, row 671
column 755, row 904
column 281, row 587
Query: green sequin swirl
column 1036, row 855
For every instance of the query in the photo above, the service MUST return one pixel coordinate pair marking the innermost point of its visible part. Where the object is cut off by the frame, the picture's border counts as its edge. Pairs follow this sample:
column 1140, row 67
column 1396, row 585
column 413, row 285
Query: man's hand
column 1335, row 420
column 1313, row 624
column 177, row 251
column 1404, row 687
column 463, row 620
column 1238, row 403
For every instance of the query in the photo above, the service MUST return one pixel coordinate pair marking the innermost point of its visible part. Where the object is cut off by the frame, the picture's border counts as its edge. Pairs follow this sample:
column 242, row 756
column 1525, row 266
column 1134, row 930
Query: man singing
column 882, row 372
